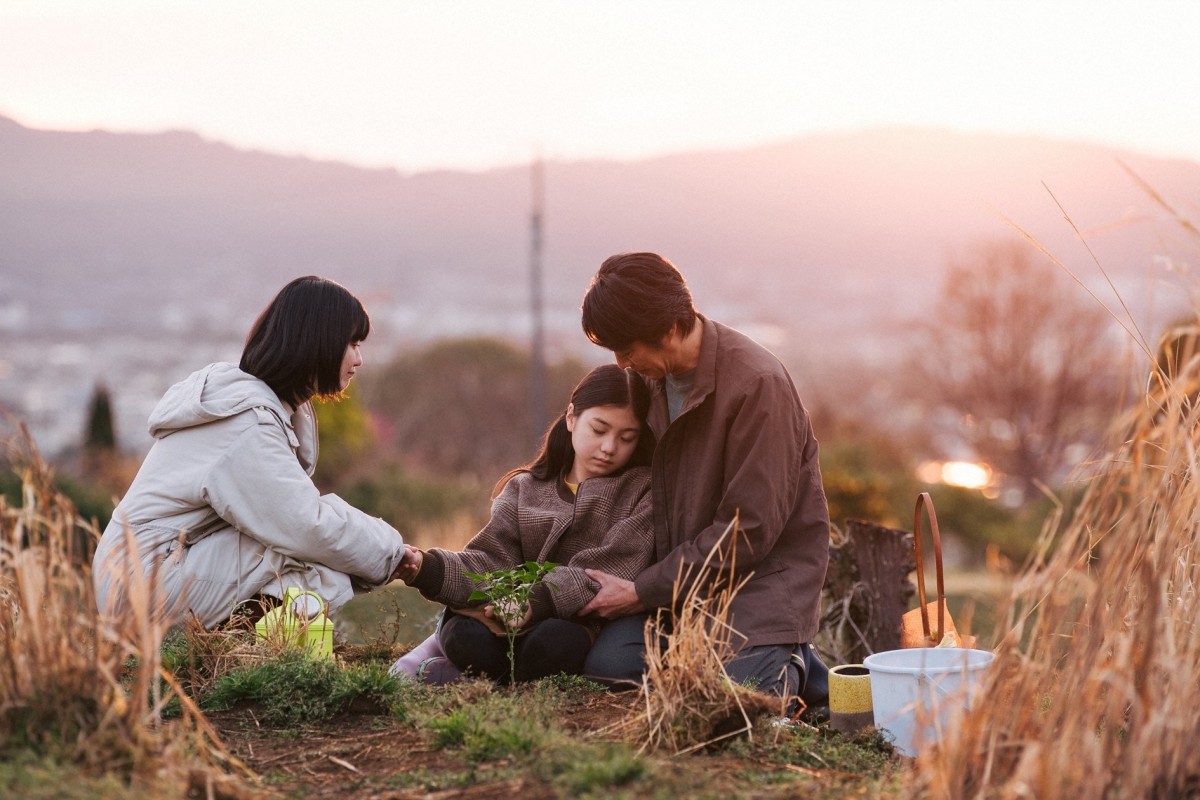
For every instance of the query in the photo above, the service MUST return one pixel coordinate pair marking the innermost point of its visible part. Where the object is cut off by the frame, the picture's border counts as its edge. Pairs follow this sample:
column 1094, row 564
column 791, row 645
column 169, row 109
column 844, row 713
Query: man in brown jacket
column 733, row 439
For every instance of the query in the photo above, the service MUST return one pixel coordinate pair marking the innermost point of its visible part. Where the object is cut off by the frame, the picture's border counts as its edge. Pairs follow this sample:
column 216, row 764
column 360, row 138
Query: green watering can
column 314, row 633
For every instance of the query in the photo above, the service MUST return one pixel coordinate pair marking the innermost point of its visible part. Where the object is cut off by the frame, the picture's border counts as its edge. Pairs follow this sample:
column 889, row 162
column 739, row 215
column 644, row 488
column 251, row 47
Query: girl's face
column 351, row 361
column 604, row 438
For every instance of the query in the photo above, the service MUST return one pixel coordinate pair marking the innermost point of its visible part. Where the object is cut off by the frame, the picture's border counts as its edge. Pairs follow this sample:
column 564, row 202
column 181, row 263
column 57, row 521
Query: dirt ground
column 375, row 755
column 358, row 756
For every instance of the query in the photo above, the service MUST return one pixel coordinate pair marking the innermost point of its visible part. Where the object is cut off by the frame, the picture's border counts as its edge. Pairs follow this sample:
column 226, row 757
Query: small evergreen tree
column 100, row 435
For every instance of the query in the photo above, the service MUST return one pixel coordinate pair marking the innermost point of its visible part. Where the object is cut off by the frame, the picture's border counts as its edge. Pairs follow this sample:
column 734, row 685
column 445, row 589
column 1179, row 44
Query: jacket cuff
column 653, row 591
column 431, row 575
column 541, row 607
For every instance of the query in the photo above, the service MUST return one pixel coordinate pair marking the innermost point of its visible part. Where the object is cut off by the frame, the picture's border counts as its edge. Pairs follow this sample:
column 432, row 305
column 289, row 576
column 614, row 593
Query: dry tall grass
column 690, row 701
column 74, row 686
column 1095, row 689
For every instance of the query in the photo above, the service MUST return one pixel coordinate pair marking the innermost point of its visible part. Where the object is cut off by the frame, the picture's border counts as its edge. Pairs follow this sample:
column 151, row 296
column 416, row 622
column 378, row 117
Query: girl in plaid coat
column 582, row 503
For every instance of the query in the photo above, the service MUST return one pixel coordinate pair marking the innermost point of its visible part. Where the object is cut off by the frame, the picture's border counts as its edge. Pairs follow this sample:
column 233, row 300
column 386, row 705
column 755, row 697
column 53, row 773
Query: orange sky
column 421, row 84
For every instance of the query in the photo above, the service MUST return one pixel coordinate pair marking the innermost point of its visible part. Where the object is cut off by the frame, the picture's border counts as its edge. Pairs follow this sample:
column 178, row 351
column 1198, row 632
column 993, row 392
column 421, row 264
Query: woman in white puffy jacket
column 224, row 509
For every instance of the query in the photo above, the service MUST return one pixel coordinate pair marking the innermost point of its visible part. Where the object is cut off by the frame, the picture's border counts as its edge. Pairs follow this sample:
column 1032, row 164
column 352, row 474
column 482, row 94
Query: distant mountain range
column 829, row 239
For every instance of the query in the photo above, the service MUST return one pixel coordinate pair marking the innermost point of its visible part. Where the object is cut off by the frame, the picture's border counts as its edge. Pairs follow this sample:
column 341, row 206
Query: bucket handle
column 926, row 502
column 924, row 679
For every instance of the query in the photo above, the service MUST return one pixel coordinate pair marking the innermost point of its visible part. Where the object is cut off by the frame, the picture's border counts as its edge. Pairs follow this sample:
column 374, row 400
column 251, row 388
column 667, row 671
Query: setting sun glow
column 964, row 474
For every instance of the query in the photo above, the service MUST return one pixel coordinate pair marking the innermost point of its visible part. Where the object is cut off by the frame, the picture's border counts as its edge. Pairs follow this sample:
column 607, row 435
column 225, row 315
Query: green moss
column 296, row 689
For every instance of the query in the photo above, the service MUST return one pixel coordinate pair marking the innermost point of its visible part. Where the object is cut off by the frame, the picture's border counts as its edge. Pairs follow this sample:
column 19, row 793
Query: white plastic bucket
column 917, row 692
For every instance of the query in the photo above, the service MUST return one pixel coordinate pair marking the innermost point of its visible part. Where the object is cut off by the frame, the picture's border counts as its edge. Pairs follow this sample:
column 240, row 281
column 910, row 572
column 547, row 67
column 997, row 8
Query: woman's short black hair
column 298, row 342
column 636, row 297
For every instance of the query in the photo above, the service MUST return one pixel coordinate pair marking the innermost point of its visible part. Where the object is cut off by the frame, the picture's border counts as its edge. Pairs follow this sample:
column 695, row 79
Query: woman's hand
column 409, row 565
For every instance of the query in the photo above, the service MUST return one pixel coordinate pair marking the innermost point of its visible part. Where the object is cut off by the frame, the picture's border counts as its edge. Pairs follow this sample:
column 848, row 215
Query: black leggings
column 546, row 648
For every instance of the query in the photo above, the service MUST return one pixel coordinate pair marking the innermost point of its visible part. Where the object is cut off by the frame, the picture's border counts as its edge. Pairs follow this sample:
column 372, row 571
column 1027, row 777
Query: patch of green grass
column 32, row 777
column 864, row 760
column 490, row 726
column 573, row 686
column 370, row 683
column 585, row 770
column 864, row 753
column 296, row 688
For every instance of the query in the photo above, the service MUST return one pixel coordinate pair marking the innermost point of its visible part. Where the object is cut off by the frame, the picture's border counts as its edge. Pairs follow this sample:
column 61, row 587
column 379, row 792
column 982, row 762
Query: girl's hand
column 483, row 616
column 409, row 565
column 511, row 614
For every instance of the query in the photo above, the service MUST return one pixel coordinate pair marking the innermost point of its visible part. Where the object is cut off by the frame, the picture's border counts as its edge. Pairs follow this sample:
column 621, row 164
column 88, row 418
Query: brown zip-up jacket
column 607, row 525
column 741, row 445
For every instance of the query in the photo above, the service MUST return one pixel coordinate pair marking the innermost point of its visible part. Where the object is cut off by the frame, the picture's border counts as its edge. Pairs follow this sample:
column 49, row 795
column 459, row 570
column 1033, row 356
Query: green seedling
column 507, row 591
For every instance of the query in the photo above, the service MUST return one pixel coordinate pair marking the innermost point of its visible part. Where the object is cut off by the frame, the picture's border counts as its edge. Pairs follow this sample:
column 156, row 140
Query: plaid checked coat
column 607, row 525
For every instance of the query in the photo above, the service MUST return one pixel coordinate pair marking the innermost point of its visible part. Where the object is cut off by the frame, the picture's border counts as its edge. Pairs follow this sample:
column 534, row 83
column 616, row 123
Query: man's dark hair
column 298, row 342
column 636, row 297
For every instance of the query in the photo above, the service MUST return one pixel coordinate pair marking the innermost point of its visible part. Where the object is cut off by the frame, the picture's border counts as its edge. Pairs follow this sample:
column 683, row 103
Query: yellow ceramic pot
column 850, row 706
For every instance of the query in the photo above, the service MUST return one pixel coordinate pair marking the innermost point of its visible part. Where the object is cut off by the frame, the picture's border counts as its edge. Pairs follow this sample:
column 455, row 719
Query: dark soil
column 370, row 753
column 380, row 757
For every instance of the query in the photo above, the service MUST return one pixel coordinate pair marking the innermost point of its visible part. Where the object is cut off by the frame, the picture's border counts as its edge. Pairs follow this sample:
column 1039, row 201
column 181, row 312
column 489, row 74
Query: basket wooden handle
column 924, row 501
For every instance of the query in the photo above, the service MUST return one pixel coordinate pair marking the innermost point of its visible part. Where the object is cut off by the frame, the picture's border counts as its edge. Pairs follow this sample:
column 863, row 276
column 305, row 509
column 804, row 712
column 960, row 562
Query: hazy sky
column 421, row 84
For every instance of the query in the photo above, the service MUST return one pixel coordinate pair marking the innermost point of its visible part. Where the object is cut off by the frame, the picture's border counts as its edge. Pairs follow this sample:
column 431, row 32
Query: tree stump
column 867, row 590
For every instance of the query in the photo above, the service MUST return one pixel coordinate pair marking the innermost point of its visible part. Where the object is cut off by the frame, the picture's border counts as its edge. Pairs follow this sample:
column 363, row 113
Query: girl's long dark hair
column 606, row 385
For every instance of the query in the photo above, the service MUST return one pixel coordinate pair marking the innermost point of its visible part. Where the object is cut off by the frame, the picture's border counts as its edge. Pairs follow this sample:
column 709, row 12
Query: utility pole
column 537, row 372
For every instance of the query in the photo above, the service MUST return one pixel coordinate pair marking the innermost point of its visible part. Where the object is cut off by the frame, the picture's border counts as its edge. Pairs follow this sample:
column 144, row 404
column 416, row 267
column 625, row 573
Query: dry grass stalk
column 72, row 684
column 1094, row 692
column 213, row 654
column 690, row 702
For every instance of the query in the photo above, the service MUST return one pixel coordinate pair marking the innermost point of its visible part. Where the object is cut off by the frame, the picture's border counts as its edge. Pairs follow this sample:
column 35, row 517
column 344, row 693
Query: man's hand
column 409, row 565
column 616, row 598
